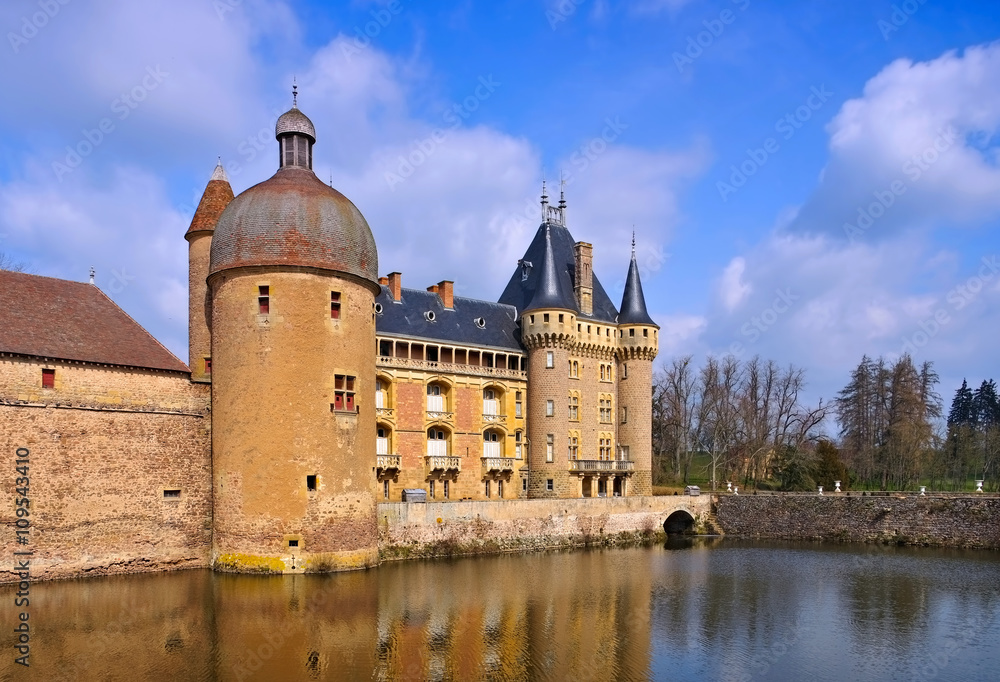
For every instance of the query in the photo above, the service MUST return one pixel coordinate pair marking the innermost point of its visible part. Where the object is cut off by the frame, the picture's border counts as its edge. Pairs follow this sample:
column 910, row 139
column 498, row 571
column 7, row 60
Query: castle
column 315, row 390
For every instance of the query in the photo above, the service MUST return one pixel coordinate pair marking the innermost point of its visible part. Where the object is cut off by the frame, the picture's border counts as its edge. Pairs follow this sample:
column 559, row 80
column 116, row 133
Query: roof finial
column 331, row 179
column 92, row 273
column 562, row 190
column 633, row 242
column 545, row 196
column 295, row 93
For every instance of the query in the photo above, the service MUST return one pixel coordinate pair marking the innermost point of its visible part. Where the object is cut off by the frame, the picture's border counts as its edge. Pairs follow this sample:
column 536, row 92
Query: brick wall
column 104, row 444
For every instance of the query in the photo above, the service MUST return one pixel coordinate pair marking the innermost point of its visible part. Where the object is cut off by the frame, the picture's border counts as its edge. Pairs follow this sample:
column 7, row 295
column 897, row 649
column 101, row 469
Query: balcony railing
column 601, row 465
column 435, row 414
column 385, row 412
column 498, row 463
column 451, row 368
column 493, row 418
column 435, row 462
column 389, row 462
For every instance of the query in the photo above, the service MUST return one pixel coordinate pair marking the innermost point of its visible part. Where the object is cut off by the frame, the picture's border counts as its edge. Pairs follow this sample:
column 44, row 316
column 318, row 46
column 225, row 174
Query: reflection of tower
column 213, row 202
column 293, row 281
column 548, row 326
column 637, row 348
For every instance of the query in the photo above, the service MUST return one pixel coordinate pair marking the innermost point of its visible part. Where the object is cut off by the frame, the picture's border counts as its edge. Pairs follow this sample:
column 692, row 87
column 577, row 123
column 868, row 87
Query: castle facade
column 315, row 389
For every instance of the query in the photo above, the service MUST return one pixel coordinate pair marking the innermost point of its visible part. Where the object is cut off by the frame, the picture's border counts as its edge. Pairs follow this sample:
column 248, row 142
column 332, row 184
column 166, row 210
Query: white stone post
column 979, row 485
column 820, row 490
column 837, row 486
column 729, row 486
column 736, row 490
column 923, row 490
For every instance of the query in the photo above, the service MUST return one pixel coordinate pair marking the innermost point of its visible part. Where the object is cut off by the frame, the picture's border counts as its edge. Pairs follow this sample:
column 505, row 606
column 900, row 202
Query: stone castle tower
column 291, row 285
column 589, row 370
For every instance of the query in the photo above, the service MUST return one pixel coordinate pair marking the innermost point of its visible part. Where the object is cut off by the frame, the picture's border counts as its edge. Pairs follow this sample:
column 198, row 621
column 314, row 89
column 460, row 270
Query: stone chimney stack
column 583, row 285
column 446, row 290
column 396, row 285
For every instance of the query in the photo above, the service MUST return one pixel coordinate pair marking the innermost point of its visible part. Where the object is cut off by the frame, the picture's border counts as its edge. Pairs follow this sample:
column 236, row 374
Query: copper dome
column 293, row 218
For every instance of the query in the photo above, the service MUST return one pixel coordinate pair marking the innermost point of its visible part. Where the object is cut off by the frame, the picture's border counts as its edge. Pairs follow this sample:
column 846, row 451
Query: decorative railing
column 601, row 465
column 498, row 463
column 389, row 462
column 385, row 412
column 451, row 367
column 434, row 414
column 437, row 462
column 493, row 418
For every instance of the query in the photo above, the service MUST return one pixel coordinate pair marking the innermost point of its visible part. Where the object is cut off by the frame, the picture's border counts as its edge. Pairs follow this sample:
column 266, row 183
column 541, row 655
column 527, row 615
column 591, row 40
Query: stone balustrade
column 601, row 465
column 498, row 463
column 435, row 462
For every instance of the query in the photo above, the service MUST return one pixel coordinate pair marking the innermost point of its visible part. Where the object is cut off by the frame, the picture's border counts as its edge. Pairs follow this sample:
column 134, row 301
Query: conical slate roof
column 524, row 282
column 549, row 289
column 633, row 302
column 218, row 194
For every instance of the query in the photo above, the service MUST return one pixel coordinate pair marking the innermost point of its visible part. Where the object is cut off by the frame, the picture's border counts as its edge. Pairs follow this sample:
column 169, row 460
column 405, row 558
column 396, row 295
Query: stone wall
column 104, row 445
column 436, row 529
column 901, row 519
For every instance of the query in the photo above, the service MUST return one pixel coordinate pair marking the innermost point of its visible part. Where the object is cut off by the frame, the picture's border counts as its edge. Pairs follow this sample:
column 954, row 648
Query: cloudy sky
column 810, row 182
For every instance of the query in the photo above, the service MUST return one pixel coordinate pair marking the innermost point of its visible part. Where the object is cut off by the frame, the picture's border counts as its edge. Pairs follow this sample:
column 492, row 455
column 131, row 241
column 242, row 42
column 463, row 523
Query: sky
column 807, row 181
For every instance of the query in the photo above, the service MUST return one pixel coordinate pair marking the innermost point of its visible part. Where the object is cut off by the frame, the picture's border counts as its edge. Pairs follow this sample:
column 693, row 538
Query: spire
column 562, row 192
column 549, row 292
column 295, row 94
column 633, row 309
column 218, row 193
column 545, row 198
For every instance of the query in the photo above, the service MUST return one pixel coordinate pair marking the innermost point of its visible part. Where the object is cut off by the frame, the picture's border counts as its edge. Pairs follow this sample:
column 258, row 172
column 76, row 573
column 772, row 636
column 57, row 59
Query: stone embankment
column 900, row 518
column 409, row 530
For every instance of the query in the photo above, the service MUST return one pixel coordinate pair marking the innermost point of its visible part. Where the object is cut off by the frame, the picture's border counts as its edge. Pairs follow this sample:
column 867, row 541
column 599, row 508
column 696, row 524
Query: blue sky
column 807, row 181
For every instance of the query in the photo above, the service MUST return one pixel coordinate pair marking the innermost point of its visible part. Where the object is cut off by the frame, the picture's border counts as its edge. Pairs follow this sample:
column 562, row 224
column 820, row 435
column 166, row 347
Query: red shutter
column 48, row 378
column 350, row 402
column 338, row 401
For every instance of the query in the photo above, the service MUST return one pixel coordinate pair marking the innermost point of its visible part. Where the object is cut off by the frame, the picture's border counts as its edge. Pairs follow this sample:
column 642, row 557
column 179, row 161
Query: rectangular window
column 549, row 446
column 631, row 332
column 550, row 408
column 532, row 319
column 263, row 300
column 605, row 410
column 625, row 371
column 208, row 365
column 311, row 482
column 385, row 489
column 550, row 360
column 524, row 484
column 293, row 543
column 625, row 415
column 548, row 484
column 574, row 409
column 446, row 490
column 174, row 494
column 48, row 378
column 517, row 404
column 343, row 394
column 545, row 317
column 645, row 332
column 560, row 318
column 335, row 305
column 432, row 489
column 574, row 447
column 487, row 488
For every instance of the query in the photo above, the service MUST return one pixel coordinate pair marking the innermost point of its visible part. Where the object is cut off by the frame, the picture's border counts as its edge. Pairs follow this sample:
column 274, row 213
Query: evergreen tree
column 961, row 407
column 985, row 407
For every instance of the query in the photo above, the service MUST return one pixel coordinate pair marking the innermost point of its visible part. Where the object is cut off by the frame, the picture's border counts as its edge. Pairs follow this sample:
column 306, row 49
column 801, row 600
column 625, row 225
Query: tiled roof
column 497, row 329
column 59, row 319
column 218, row 194
column 519, row 292
column 293, row 218
column 549, row 292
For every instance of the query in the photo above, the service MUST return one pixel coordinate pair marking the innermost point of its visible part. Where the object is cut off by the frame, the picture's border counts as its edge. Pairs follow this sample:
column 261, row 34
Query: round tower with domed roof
column 293, row 280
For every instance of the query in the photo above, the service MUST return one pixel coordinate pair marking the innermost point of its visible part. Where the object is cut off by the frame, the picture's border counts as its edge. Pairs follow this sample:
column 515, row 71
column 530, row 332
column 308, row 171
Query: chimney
column 433, row 288
column 446, row 290
column 384, row 281
column 583, row 285
column 396, row 285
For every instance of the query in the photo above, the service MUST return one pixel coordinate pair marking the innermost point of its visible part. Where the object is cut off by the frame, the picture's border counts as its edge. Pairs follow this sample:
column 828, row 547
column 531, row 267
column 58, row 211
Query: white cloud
column 732, row 289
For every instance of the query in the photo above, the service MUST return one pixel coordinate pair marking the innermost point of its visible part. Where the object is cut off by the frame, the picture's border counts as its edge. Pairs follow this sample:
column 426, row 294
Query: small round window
column 429, row 315
column 378, row 308
column 480, row 322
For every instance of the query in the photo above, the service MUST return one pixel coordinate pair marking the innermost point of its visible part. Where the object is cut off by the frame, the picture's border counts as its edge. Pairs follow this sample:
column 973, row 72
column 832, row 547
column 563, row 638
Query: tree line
column 746, row 422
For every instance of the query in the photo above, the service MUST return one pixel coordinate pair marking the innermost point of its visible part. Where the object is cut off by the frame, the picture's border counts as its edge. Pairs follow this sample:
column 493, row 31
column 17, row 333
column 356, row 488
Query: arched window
column 491, row 406
column 382, row 441
column 574, row 445
column 492, row 444
column 574, row 406
column 518, row 445
column 437, row 442
column 381, row 394
column 435, row 398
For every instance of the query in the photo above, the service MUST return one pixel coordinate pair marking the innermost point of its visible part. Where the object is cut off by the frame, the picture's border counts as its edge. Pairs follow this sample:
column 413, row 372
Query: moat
column 693, row 609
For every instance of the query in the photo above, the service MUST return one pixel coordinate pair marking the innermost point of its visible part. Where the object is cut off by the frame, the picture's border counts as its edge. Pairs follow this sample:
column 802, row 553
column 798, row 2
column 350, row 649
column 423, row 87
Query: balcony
column 498, row 463
column 451, row 368
column 385, row 412
column 494, row 418
column 597, row 465
column 434, row 415
column 386, row 462
column 439, row 463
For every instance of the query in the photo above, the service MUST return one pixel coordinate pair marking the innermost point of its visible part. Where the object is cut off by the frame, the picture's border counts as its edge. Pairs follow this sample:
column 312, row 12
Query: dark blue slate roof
column 549, row 289
column 633, row 302
column 520, row 292
column 458, row 325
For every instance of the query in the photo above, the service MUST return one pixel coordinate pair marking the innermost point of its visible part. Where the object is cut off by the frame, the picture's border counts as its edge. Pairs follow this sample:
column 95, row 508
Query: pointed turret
column 549, row 292
column 633, row 309
column 218, row 194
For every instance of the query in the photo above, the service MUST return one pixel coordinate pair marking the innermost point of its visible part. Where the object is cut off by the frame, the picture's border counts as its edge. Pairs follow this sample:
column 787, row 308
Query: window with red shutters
column 48, row 378
column 264, row 300
column 343, row 395
column 335, row 305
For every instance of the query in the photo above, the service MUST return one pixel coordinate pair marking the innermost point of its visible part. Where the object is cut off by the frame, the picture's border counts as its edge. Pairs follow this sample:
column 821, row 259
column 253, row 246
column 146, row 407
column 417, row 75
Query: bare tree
column 11, row 265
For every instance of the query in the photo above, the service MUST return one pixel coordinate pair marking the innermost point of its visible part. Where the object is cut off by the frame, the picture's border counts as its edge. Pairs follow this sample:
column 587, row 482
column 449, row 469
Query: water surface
column 701, row 609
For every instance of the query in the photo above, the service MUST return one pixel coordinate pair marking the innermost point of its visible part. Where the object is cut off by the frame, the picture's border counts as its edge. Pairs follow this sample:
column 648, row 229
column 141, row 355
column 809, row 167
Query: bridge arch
column 679, row 523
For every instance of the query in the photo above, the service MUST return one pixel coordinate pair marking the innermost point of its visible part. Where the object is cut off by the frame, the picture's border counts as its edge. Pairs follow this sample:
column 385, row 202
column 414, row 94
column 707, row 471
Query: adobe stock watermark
column 901, row 14
column 224, row 7
column 958, row 298
column 759, row 324
column 423, row 149
column 701, row 41
column 31, row 25
column 787, row 126
column 363, row 35
column 562, row 11
column 914, row 169
column 122, row 107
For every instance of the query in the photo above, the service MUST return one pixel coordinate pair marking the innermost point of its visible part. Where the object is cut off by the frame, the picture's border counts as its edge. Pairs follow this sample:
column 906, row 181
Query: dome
column 294, row 219
column 294, row 121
